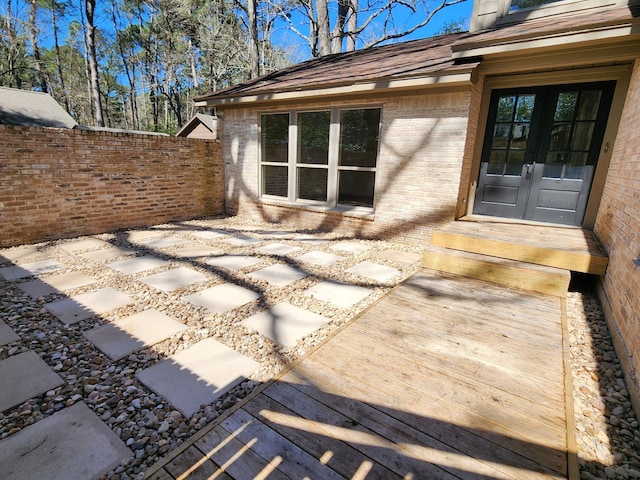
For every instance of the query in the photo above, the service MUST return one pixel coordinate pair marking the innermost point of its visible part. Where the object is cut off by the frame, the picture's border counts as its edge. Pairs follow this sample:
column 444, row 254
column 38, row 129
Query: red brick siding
column 58, row 183
column 618, row 227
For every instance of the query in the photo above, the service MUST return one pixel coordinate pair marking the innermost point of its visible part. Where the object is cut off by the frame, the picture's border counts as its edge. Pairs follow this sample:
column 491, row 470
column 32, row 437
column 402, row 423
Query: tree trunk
column 90, row 6
column 352, row 26
column 324, row 32
column 54, row 21
column 33, row 34
column 254, row 56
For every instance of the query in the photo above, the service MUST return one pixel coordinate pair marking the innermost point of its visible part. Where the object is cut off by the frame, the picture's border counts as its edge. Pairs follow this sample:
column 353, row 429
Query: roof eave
column 445, row 79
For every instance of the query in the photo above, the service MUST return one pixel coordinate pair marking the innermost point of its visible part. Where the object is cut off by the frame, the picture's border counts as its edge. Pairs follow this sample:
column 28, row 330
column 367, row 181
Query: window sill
column 347, row 211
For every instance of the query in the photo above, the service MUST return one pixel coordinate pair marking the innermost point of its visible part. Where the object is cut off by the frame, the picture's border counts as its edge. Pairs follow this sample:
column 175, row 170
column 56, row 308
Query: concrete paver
column 223, row 298
column 350, row 247
column 71, row 444
column 285, row 324
column 211, row 234
column 122, row 337
column 233, row 262
column 340, row 294
column 7, row 335
column 75, row 309
column 198, row 375
column 324, row 259
column 27, row 375
column 279, row 275
column 137, row 264
column 137, row 235
column 242, row 241
column 197, row 251
column 84, row 244
column 163, row 242
column 21, row 254
column 278, row 249
column 375, row 271
column 55, row 284
column 30, row 269
column 107, row 254
column 174, row 279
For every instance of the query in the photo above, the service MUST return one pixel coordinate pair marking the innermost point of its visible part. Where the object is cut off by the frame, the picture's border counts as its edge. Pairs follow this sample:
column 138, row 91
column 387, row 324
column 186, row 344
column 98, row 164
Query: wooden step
column 570, row 249
column 510, row 273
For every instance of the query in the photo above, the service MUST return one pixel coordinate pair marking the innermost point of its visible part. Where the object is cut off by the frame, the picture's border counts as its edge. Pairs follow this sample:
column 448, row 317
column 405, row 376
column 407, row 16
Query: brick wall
column 618, row 227
column 57, row 183
column 422, row 143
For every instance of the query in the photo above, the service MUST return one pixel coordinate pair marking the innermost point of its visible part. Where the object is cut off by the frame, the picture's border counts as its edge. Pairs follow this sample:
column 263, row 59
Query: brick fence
column 57, row 183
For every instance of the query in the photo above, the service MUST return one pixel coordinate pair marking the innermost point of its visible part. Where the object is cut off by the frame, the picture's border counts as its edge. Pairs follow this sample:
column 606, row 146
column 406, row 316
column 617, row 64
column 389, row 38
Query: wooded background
column 137, row 64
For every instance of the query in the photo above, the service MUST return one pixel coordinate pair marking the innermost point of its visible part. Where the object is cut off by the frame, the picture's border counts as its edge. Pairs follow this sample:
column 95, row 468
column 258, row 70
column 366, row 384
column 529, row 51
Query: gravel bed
column 607, row 428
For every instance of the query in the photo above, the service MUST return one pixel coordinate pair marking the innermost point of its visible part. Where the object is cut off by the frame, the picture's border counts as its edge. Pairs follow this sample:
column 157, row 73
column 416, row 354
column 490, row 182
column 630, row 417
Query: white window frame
column 333, row 168
column 507, row 16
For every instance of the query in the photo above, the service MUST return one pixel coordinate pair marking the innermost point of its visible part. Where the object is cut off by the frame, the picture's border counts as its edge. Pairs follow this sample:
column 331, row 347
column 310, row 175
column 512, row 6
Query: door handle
column 528, row 169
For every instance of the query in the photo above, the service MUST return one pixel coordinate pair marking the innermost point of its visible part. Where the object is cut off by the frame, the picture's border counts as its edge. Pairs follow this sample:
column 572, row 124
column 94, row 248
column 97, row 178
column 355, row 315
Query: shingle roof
column 429, row 57
column 32, row 109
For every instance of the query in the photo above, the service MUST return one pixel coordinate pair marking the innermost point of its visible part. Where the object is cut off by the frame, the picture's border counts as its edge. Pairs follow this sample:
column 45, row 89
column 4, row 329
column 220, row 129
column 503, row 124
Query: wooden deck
column 446, row 377
column 573, row 249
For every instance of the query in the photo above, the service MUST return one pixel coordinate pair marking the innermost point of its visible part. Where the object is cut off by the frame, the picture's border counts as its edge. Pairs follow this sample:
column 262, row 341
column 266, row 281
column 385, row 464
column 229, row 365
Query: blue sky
column 299, row 51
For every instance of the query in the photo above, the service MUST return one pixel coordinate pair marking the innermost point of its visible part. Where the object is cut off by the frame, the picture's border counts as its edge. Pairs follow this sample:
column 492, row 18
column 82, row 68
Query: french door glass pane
column 356, row 188
column 566, row 106
column 312, row 184
column 582, row 136
column 496, row 162
column 524, row 110
column 359, row 137
column 589, row 104
column 514, row 164
column 313, row 137
column 274, row 137
column 274, row 180
column 575, row 166
column 505, row 108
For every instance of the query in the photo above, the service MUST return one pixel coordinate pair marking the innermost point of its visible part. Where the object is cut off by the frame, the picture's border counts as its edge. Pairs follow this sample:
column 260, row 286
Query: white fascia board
column 353, row 89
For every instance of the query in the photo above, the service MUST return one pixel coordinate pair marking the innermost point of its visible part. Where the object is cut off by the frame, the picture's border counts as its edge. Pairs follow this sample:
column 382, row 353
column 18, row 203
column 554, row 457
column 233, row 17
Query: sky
column 299, row 50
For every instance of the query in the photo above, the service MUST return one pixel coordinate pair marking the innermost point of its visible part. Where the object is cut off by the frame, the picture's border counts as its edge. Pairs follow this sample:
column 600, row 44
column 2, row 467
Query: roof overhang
column 461, row 77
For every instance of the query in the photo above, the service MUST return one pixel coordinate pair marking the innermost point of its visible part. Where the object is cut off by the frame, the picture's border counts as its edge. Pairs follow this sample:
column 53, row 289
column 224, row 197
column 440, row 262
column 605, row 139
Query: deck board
column 446, row 377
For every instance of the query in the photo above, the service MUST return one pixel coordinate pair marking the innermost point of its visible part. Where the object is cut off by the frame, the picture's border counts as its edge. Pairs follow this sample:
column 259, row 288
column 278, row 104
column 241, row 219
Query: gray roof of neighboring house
column 206, row 120
column 32, row 109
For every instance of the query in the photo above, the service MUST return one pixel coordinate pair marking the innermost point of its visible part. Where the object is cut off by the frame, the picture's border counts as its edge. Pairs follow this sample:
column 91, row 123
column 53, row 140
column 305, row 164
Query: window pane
column 274, row 180
column 514, row 165
column 576, row 166
column 554, row 164
column 359, row 137
column 524, row 110
column 505, row 109
column 519, row 4
column 582, row 136
column 356, row 188
column 501, row 135
column 312, row 184
column 560, row 136
column 589, row 104
column 496, row 162
column 519, row 135
column 274, row 137
column 313, row 137
column 566, row 106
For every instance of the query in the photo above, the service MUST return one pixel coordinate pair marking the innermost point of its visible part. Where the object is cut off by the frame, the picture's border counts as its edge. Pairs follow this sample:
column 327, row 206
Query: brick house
column 531, row 116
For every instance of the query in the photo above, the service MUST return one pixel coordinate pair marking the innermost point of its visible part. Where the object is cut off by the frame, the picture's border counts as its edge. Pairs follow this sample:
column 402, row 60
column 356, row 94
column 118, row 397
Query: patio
column 159, row 330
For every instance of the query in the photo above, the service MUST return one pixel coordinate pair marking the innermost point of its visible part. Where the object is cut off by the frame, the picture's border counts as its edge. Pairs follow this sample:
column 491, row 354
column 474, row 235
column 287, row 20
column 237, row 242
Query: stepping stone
column 21, row 253
column 310, row 239
column 242, row 241
column 7, row 335
column 322, row 259
column 75, row 309
column 164, row 242
column 108, row 254
column 29, row 376
column 340, row 294
column 274, row 233
column 211, row 234
column 380, row 273
column 278, row 249
column 279, row 275
column 56, row 284
column 122, row 337
column 400, row 256
column 233, row 262
column 350, row 247
column 198, row 375
column 223, row 298
column 174, row 279
column 137, row 235
column 72, row 443
column 285, row 324
column 197, row 251
column 30, row 269
column 137, row 264
column 84, row 244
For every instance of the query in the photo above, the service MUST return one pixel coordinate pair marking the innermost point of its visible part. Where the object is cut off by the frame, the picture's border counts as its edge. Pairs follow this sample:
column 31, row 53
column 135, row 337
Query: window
column 323, row 157
column 520, row 4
